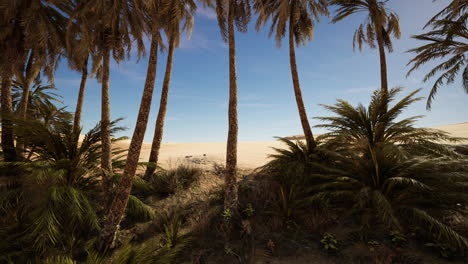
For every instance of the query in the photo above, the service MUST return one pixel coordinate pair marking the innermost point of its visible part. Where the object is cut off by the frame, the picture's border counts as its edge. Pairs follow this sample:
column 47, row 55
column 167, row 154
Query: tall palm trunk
column 158, row 131
column 122, row 193
column 31, row 72
column 383, row 62
column 297, row 88
column 79, row 103
column 106, row 164
column 8, row 145
column 231, row 198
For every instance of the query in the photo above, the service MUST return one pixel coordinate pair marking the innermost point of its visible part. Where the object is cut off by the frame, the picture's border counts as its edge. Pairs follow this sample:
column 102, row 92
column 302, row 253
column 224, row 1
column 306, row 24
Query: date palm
column 162, row 14
column 381, row 23
column 177, row 17
column 79, row 50
column 231, row 14
column 25, row 51
column 447, row 40
column 299, row 16
column 113, row 26
column 360, row 129
column 398, row 174
column 403, row 192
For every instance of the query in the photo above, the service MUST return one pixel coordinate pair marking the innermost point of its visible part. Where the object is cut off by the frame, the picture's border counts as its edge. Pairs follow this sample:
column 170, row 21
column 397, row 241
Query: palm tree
column 231, row 14
column 8, row 145
column 397, row 191
column 381, row 23
column 301, row 16
column 25, row 48
column 361, row 130
column 79, row 50
column 123, row 189
column 447, row 39
column 173, row 14
column 112, row 24
column 40, row 98
column 394, row 176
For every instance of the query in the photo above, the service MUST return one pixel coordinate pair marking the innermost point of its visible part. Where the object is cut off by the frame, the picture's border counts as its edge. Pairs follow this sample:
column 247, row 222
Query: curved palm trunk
column 231, row 198
column 106, row 164
column 122, row 193
column 79, row 103
column 158, row 131
column 297, row 89
column 31, row 72
column 8, row 145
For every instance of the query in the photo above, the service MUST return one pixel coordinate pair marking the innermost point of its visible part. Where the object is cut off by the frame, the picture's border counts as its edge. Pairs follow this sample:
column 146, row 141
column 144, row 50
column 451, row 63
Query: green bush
column 329, row 242
column 167, row 182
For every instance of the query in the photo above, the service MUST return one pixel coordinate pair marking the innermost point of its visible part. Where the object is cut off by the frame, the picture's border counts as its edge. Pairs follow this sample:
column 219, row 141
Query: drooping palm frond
column 447, row 41
column 304, row 15
column 241, row 12
column 294, row 163
column 360, row 128
column 138, row 211
column 380, row 20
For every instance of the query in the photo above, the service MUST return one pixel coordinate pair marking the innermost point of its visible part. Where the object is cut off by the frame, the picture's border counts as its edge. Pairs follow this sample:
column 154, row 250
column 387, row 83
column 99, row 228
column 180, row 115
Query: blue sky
column 328, row 69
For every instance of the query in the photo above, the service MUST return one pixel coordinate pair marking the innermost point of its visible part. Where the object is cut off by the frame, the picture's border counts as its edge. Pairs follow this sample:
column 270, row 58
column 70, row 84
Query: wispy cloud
column 206, row 13
column 128, row 69
column 201, row 41
column 358, row 90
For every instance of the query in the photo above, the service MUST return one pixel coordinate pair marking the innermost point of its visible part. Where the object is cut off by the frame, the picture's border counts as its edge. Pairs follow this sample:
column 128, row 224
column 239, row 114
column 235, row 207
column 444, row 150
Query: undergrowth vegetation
column 375, row 189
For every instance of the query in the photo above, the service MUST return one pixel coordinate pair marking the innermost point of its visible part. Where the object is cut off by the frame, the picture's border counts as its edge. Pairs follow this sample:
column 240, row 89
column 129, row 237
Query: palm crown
column 379, row 20
column 302, row 14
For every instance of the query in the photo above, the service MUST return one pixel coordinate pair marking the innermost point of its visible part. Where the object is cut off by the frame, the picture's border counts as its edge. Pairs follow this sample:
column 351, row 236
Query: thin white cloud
column 201, row 41
column 357, row 90
column 129, row 71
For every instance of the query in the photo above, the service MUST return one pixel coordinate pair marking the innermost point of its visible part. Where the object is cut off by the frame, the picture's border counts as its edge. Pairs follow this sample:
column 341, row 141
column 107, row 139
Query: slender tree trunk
column 231, row 198
column 31, row 72
column 383, row 63
column 380, row 129
column 8, row 145
column 124, row 187
column 106, row 164
column 158, row 131
column 79, row 103
column 297, row 88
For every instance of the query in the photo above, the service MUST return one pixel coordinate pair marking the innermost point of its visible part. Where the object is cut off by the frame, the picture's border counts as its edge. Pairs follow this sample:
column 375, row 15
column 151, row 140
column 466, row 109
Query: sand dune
column 251, row 154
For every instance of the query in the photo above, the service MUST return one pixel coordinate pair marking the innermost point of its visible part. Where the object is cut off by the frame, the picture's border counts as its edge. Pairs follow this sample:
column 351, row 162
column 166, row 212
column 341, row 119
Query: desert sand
column 251, row 154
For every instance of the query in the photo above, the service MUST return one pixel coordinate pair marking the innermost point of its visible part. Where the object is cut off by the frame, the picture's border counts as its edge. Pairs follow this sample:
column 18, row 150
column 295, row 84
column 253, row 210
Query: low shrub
column 167, row 182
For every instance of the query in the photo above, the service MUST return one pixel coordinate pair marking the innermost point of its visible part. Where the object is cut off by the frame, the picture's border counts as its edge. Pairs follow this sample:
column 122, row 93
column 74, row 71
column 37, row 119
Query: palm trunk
column 79, row 103
column 30, row 74
column 383, row 63
column 383, row 81
column 231, row 198
column 8, row 145
column 106, row 164
column 124, row 187
column 158, row 131
column 297, row 88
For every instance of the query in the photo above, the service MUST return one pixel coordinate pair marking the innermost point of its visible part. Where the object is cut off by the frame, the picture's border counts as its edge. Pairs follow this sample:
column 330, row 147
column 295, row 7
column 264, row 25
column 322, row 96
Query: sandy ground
column 251, row 154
